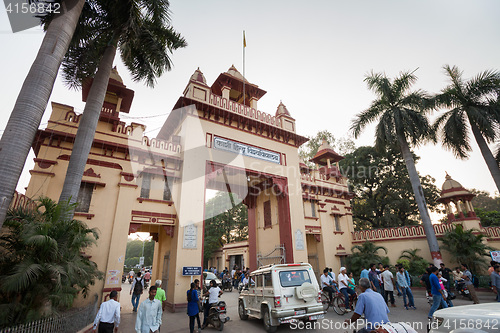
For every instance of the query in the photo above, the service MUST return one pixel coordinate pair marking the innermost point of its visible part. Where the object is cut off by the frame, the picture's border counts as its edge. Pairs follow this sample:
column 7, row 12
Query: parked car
column 209, row 276
column 476, row 318
column 281, row 294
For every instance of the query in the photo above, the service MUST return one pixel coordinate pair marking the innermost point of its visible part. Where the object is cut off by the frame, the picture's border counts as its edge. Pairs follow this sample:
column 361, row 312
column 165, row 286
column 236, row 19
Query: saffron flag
column 244, row 40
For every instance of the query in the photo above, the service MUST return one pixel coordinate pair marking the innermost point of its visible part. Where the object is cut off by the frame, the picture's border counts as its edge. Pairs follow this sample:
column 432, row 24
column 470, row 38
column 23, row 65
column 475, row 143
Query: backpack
column 138, row 287
column 475, row 281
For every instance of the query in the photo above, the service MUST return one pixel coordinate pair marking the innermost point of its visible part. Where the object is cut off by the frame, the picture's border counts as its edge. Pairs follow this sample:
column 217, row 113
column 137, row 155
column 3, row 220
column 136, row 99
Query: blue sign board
column 191, row 270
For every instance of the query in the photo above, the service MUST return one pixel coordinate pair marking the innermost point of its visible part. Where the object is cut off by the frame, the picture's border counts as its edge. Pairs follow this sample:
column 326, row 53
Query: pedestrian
column 495, row 281
column 388, row 280
column 213, row 295
column 108, row 317
column 148, row 318
column 404, row 283
column 468, row 283
column 193, row 310
column 364, row 272
column 160, row 295
column 200, row 305
column 136, row 290
column 147, row 277
column 438, row 298
column 445, row 272
column 373, row 277
column 372, row 305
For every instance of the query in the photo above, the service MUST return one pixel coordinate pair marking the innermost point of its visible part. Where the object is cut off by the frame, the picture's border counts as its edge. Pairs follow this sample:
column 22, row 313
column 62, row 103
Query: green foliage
column 484, row 201
column 43, row 266
column 404, row 262
column 383, row 192
column 363, row 255
column 228, row 224
column 472, row 102
column 416, row 264
column 140, row 30
column 401, row 114
column 134, row 252
column 467, row 247
column 341, row 146
column 488, row 218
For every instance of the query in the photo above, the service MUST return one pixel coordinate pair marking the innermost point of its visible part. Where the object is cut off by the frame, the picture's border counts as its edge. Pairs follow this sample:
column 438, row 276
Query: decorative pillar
column 251, row 203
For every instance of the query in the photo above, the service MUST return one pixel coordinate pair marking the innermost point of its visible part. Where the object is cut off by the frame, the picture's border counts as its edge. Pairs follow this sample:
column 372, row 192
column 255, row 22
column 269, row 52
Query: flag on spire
column 244, row 40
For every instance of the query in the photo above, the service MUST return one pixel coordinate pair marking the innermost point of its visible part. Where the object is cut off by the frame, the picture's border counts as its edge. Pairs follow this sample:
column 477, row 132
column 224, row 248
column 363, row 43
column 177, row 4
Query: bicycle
column 339, row 303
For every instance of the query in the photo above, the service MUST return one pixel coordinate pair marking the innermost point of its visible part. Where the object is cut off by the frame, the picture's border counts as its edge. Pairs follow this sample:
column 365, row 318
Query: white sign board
column 246, row 150
column 190, row 236
column 141, row 261
column 299, row 240
column 495, row 256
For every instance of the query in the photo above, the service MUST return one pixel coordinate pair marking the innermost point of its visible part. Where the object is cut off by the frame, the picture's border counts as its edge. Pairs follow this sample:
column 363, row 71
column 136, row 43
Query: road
column 179, row 322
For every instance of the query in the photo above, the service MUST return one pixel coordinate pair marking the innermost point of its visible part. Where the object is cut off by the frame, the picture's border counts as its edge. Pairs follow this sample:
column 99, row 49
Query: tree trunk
column 32, row 100
column 86, row 129
column 487, row 155
column 420, row 199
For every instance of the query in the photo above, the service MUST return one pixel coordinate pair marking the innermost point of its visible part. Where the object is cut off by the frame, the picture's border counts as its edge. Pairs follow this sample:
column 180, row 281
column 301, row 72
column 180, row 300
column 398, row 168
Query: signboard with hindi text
column 246, row 150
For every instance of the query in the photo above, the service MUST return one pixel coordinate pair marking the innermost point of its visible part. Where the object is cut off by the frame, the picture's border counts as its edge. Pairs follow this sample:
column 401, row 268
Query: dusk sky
column 311, row 55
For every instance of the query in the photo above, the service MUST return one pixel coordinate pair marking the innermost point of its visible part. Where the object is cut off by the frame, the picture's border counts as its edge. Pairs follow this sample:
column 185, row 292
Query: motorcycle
column 217, row 315
column 227, row 285
column 462, row 290
column 130, row 279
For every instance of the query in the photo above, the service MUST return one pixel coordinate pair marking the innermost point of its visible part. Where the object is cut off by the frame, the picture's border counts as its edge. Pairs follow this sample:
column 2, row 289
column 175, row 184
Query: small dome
column 282, row 110
column 451, row 188
column 115, row 76
column 198, row 77
column 234, row 72
column 450, row 183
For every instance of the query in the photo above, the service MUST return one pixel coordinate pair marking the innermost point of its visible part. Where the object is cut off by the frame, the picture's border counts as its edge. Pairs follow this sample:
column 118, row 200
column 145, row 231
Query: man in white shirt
column 388, row 279
column 327, row 283
column 149, row 316
column 108, row 316
column 343, row 280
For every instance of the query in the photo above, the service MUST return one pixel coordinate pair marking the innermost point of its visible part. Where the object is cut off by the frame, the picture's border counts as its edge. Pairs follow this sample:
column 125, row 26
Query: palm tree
column 402, row 121
column 43, row 267
column 467, row 247
column 33, row 98
column 363, row 255
column 472, row 103
column 140, row 29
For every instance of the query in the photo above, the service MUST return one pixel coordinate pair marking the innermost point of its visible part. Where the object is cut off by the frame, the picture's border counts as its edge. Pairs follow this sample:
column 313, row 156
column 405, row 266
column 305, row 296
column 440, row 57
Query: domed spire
column 325, row 153
column 115, row 76
column 234, row 72
column 282, row 110
column 198, row 77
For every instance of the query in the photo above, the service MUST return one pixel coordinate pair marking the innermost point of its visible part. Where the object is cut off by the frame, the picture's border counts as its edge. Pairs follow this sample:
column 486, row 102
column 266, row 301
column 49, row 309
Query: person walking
column 388, row 281
column 403, row 279
column 148, row 318
column 364, row 272
column 160, row 295
column 468, row 283
column 436, row 291
column 136, row 290
column 495, row 280
column 373, row 278
column 108, row 317
column 193, row 310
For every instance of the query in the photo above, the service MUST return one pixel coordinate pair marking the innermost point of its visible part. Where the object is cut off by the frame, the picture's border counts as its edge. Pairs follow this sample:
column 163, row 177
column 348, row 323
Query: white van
column 281, row 294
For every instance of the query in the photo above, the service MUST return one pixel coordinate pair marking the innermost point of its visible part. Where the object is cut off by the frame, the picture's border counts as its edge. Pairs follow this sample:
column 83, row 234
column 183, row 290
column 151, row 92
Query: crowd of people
column 375, row 290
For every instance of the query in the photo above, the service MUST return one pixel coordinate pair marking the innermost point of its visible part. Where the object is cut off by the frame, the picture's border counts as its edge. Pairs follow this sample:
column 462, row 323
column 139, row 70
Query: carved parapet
column 387, row 234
